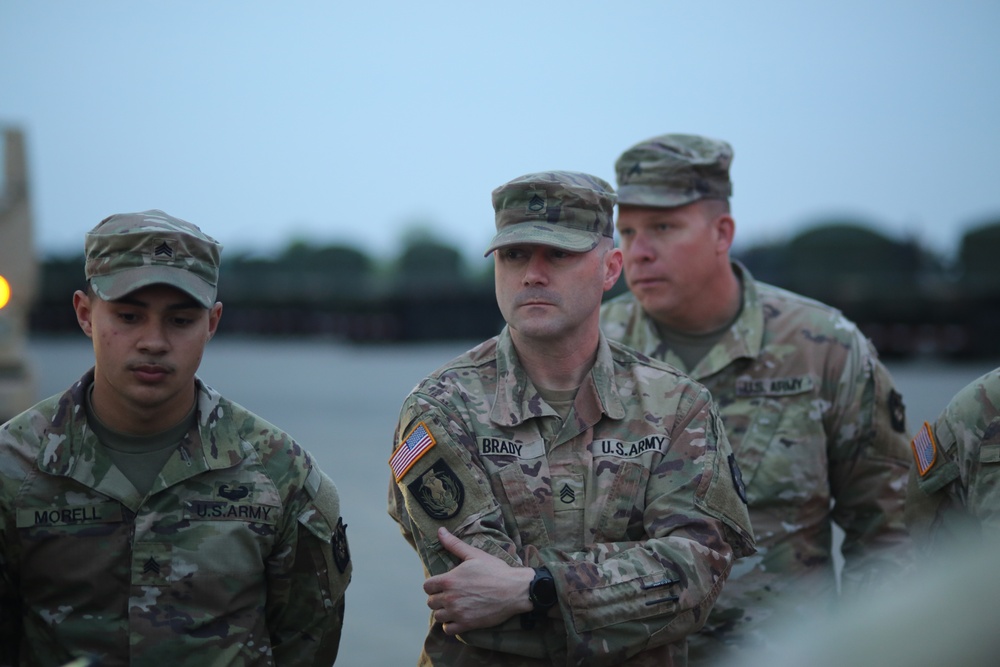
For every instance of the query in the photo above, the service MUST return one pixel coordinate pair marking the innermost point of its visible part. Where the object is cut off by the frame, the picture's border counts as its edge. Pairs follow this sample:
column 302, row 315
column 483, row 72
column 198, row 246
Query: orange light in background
column 4, row 291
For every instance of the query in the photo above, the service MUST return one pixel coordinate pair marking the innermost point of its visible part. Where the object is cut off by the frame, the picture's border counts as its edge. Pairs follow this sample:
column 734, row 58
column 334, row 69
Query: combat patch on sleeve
column 897, row 411
column 734, row 470
column 414, row 445
column 438, row 491
column 924, row 449
column 341, row 552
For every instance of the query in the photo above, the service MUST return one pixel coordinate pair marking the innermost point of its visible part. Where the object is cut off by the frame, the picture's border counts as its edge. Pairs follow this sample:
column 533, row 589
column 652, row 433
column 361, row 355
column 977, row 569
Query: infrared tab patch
column 924, row 449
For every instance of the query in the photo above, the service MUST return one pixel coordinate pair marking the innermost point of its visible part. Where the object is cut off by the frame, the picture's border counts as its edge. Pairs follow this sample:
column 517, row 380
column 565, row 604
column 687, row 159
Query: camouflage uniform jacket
column 237, row 556
column 632, row 503
column 955, row 479
column 820, row 436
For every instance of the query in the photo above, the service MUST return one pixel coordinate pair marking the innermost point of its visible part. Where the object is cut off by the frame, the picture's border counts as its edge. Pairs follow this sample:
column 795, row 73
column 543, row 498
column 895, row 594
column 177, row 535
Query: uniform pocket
column 621, row 503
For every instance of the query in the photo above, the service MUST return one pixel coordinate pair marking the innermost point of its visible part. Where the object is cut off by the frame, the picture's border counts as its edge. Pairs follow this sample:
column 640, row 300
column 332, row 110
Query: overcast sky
column 351, row 122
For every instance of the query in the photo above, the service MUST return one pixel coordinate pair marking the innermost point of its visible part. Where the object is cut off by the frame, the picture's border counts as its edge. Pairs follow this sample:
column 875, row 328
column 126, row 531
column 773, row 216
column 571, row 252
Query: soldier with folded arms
column 572, row 502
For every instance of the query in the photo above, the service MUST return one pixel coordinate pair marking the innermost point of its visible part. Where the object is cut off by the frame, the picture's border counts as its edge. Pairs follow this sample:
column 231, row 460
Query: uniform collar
column 71, row 449
column 517, row 400
column 745, row 336
column 743, row 339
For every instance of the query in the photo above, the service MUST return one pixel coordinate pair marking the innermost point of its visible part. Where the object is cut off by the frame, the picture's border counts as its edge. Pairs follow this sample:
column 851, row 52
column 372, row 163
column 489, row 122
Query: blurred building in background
column 18, row 277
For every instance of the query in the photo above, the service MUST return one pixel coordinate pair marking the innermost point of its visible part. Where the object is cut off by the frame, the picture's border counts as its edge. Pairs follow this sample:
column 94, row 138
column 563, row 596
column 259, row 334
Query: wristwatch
column 542, row 593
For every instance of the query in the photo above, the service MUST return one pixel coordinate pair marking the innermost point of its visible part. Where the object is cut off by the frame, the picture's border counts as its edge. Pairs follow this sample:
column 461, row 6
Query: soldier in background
column 572, row 502
column 816, row 425
column 144, row 518
column 954, row 491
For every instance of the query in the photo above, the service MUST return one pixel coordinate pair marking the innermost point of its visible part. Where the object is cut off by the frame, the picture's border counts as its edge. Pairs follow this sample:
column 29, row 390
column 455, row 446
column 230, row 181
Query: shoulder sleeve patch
column 924, row 449
column 417, row 443
column 341, row 552
column 897, row 411
column 734, row 470
column 438, row 491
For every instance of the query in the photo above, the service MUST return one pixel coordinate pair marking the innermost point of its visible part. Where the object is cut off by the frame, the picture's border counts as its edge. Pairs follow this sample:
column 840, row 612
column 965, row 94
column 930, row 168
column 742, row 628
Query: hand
column 480, row 592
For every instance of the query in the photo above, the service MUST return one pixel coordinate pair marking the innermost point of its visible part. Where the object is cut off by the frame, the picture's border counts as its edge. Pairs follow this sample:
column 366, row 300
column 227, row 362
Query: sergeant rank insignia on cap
column 414, row 445
column 163, row 250
column 924, row 449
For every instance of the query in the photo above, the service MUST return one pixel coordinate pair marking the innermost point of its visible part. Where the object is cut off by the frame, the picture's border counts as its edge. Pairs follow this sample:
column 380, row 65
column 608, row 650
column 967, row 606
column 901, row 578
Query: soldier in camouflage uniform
column 814, row 420
column 954, row 491
column 144, row 518
column 573, row 502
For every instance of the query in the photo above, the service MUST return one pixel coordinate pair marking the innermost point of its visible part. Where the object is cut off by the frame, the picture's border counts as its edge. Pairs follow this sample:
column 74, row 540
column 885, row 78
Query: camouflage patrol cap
column 129, row 251
column 674, row 170
column 564, row 209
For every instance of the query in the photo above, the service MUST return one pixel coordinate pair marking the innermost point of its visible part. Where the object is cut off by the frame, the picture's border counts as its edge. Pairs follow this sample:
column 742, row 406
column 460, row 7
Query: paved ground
column 341, row 402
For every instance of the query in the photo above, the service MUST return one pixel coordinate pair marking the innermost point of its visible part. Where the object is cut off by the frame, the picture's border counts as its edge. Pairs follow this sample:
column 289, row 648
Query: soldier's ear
column 82, row 306
column 725, row 228
column 613, row 267
column 214, row 315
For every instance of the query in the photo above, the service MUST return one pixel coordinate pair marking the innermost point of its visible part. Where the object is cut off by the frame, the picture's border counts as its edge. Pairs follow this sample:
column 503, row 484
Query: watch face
column 543, row 591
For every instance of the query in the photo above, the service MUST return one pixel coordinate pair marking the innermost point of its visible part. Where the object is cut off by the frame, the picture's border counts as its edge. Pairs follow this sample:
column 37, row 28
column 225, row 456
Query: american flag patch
column 412, row 448
column 924, row 449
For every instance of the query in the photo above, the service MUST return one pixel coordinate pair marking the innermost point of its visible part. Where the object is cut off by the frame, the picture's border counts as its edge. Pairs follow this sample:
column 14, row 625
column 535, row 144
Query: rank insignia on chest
column 924, row 449
column 566, row 494
column 438, row 491
column 414, row 445
column 569, row 493
column 151, row 565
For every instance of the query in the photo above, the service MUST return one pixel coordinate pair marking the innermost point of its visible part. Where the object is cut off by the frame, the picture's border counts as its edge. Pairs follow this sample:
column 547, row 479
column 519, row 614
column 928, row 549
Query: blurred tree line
column 908, row 299
column 426, row 293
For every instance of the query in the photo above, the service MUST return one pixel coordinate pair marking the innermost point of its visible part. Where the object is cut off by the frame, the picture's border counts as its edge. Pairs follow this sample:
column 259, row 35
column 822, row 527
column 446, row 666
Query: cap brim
column 540, row 233
column 122, row 283
column 656, row 197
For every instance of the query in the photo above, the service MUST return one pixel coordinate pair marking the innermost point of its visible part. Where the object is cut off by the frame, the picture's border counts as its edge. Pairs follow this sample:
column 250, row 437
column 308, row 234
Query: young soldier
column 144, row 518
